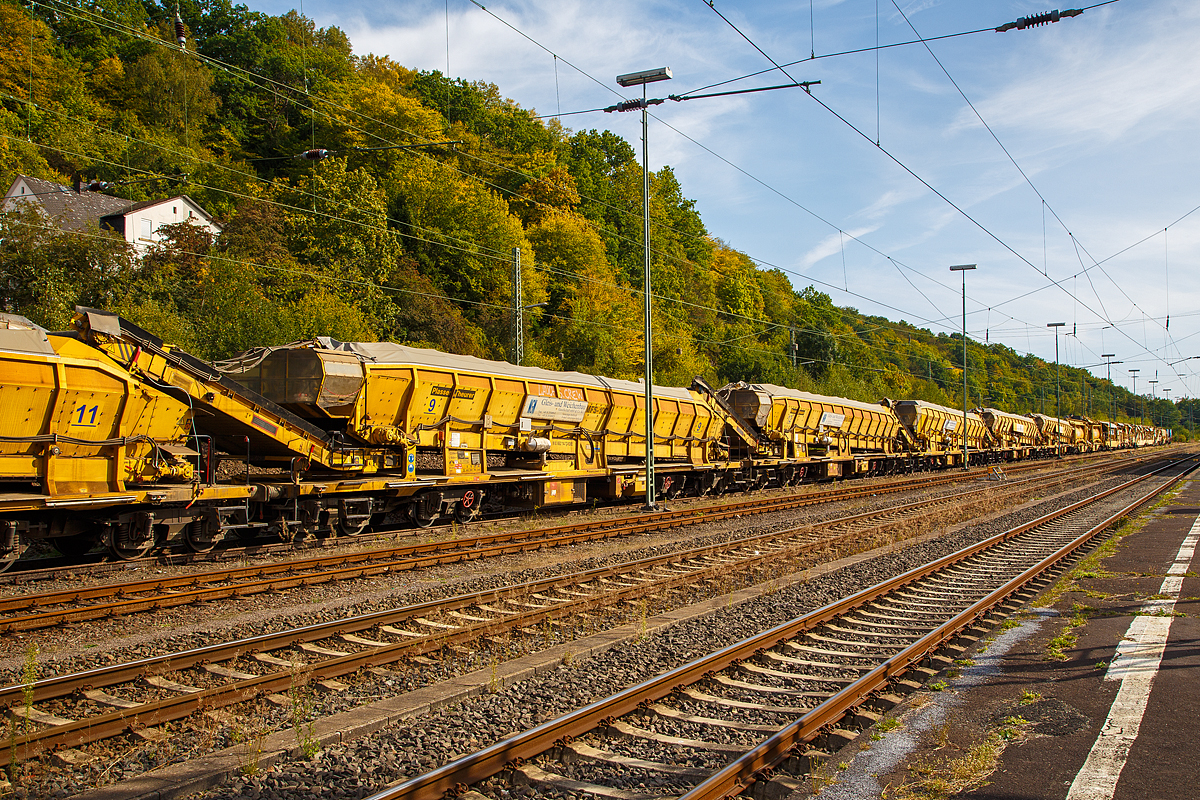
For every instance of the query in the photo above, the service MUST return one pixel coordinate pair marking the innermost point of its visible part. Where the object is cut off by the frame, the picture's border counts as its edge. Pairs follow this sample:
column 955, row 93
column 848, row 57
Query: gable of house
column 139, row 223
column 72, row 210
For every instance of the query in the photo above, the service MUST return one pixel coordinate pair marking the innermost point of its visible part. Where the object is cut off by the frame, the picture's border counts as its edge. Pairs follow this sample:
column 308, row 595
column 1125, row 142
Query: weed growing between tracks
column 938, row 778
column 29, row 676
column 721, row 587
column 303, row 725
column 1091, row 567
column 250, row 732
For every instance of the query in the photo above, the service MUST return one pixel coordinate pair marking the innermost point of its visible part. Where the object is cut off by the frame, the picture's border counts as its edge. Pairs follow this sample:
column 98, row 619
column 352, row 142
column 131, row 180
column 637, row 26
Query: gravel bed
column 684, row 729
column 355, row 768
column 86, row 645
column 752, row 716
column 650, row 750
column 416, row 746
column 748, row 696
column 631, row 779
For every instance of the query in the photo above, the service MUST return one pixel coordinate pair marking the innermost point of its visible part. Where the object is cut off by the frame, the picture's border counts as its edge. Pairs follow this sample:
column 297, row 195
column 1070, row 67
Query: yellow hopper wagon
column 456, row 432
column 111, row 438
column 1013, row 435
column 1059, row 436
column 937, row 432
column 810, row 436
column 90, row 452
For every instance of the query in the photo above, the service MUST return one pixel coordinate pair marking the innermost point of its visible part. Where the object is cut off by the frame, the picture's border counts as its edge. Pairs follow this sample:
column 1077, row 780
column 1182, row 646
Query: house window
column 147, row 228
column 175, row 210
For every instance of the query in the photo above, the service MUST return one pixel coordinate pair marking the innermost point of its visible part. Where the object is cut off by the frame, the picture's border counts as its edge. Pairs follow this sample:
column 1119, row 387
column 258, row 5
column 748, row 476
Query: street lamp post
column 1134, row 373
column 1057, row 391
column 963, row 268
column 641, row 79
column 1112, row 398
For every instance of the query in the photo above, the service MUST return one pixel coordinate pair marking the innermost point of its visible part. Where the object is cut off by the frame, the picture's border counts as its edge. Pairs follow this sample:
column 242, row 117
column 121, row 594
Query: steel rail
column 283, row 580
column 171, row 708
column 48, row 688
column 104, row 725
column 455, row 776
column 741, row 506
column 738, row 775
column 546, row 535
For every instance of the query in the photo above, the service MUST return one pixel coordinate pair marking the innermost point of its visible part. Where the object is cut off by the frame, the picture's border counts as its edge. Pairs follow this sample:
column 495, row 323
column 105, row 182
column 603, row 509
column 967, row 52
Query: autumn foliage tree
column 406, row 230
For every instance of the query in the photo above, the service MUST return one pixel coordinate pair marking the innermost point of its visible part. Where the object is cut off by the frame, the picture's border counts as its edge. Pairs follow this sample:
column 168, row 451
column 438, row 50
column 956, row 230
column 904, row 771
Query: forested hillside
column 397, row 235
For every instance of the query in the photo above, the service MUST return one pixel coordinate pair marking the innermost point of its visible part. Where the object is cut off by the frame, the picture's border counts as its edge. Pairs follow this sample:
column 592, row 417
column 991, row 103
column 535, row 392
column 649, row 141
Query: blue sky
column 1099, row 111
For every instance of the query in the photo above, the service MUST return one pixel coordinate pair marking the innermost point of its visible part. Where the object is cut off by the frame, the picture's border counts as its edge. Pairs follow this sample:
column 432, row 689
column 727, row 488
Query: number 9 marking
column 432, row 405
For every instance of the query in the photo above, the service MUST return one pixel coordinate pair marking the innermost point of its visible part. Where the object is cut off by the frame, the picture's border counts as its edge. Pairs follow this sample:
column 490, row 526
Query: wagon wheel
column 468, row 508
column 347, row 528
column 419, row 517
column 126, row 544
column 130, row 552
column 198, row 537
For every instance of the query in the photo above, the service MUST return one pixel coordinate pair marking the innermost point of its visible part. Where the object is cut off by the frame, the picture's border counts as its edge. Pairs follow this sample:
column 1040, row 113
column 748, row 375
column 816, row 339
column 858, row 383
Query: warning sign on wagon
column 555, row 408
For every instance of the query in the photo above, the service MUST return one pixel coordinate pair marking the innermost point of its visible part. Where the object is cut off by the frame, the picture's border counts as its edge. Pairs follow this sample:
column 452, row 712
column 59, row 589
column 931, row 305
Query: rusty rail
column 111, row 723
column 776, row 550
column 288, row 575
column 452, row 778
column 738, row 775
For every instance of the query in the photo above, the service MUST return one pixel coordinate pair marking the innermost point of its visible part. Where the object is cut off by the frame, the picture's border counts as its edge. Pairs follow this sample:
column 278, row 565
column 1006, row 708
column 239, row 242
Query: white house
column 76, row 210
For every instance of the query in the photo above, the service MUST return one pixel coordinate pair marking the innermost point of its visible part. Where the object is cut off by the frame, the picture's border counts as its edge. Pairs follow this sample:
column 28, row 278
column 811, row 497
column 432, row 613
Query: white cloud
column 1104, row 82
column 830, row 245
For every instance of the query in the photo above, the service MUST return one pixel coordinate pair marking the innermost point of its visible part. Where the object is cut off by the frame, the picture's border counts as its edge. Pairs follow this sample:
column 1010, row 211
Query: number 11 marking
column 87, row 416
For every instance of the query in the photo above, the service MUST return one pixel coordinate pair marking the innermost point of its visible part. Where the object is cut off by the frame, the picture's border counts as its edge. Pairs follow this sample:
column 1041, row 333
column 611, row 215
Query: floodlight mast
column 641, row 79
column 644, row 77
column 1108, row 362
column 1057, row 392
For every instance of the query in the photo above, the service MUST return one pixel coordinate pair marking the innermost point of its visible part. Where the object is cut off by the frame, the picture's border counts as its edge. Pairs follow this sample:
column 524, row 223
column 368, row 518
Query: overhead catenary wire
column 1011, row 158
column 839, row 228
column 958, row 208
column 778, row 66
column 875, row 48
column 313, row 109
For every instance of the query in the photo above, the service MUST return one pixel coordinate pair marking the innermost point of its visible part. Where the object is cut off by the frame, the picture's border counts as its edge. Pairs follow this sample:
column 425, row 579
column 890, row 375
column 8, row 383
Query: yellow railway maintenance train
column 110, row 437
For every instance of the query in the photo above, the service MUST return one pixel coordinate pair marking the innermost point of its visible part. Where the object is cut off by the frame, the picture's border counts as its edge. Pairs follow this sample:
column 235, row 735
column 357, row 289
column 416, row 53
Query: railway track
column 711, row 728
column 41, row 610
column 74, row 709
column 48, row 568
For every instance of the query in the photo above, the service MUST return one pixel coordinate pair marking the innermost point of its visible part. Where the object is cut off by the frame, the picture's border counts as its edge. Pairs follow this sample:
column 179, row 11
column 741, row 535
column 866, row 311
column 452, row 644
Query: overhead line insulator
column 1036, row 20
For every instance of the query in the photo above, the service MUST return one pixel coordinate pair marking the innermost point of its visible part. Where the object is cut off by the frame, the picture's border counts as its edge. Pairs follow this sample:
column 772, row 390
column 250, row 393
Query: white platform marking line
column 1135, row 664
